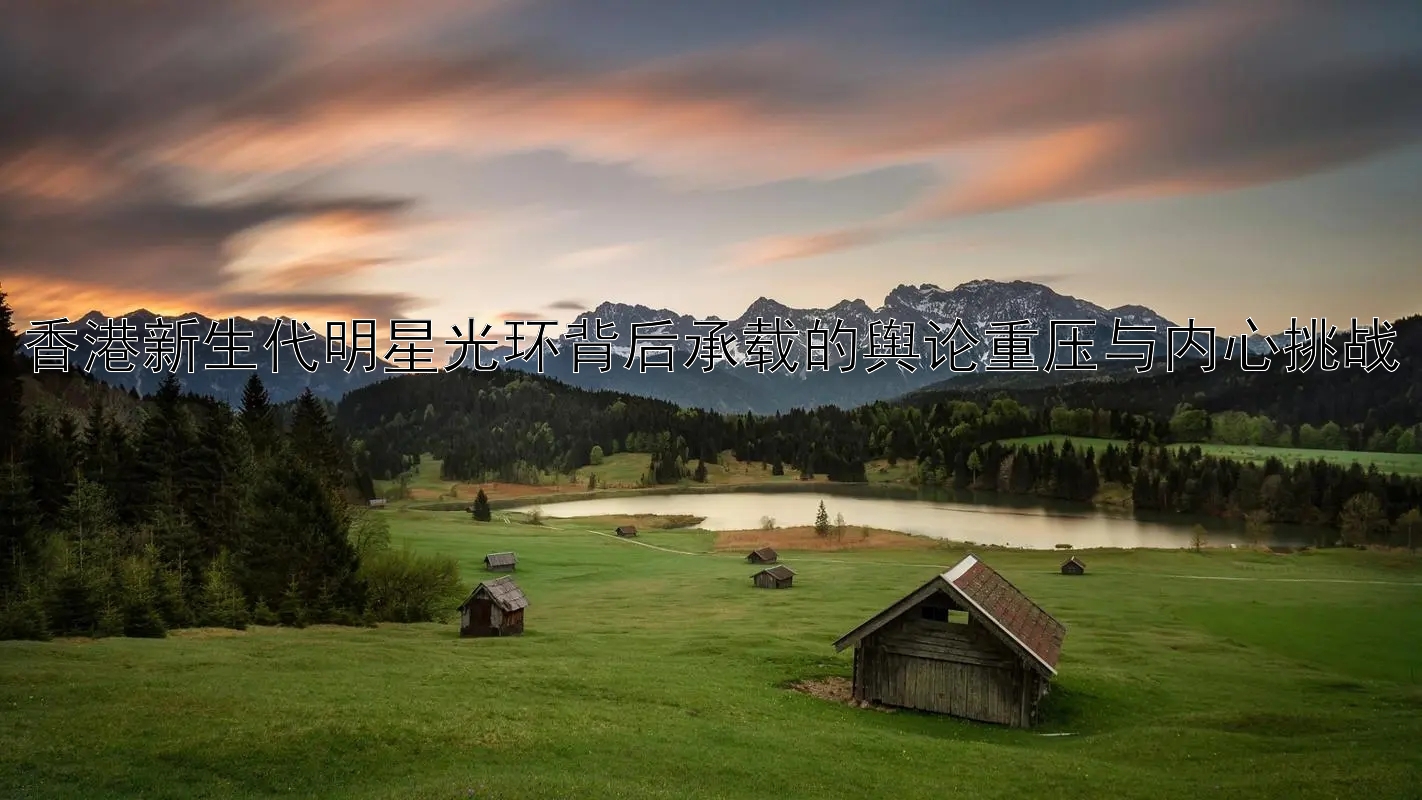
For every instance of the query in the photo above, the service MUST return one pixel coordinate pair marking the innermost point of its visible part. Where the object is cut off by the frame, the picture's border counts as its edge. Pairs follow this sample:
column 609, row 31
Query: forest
column 184, row 511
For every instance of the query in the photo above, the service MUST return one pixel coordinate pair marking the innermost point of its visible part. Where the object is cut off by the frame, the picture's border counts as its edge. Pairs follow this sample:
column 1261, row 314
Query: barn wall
column 946, row 668
column 513, row 622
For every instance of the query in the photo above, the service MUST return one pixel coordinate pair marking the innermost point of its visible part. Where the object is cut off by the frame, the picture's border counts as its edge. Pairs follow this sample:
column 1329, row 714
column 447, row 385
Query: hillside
column 1352, row 396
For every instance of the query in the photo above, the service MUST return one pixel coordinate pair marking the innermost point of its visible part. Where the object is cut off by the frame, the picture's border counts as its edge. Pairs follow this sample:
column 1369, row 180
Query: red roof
column 1032, row 627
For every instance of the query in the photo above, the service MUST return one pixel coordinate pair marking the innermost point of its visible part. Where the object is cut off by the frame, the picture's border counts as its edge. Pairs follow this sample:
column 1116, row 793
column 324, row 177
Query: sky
column 447, row 159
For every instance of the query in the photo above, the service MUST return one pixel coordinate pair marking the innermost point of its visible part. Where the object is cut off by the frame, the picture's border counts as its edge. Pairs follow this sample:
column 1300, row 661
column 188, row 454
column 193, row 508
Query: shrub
column 407, row 587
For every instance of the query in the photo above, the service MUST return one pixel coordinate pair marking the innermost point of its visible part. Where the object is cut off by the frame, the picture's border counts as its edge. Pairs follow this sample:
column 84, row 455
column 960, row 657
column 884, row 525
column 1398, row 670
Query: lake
column 1005, row 522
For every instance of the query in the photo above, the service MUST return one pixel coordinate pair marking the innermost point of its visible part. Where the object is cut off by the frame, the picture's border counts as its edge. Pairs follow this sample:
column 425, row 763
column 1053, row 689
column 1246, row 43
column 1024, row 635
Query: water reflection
column 1010, row 522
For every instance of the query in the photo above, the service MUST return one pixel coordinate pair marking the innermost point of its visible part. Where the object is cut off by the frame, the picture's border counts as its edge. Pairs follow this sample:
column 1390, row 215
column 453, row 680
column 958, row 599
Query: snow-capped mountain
column 992, row 325
column 776, row 357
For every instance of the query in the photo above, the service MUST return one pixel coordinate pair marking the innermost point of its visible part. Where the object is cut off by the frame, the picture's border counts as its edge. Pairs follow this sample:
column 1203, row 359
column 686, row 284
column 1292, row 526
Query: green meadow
column 1401, row 463
column 652, row 669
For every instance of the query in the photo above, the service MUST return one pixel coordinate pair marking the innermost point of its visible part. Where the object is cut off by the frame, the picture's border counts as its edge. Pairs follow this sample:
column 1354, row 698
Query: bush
column 24, row 618
column 407, row 587
column 264, row 615
column 142, row 621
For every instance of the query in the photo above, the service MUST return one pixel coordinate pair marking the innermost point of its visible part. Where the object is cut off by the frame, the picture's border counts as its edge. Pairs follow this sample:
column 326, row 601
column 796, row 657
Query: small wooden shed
column 500, row 562
column 763, row 555
column 966, row 643
column 1072, row 566
column 494, row 608
column 776, row 577
column 626, row 530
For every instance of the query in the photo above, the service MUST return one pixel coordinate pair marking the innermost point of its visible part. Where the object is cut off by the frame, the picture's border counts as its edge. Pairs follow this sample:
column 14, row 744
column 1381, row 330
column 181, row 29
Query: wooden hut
column 966, row 643
column 626, row 530
column 776, row 577
column 1073, row 567
column 494, row 608
column 500, row 562
column 764, row 555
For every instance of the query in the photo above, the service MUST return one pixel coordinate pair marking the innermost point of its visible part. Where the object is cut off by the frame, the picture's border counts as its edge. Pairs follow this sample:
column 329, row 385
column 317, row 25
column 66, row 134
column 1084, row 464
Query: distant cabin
column 777, row 577
column 500, row 562
column 967, row 643
column 626, row 530
column 765, row 555
column 494, row 608
column 1073, row 567
column 379, row 502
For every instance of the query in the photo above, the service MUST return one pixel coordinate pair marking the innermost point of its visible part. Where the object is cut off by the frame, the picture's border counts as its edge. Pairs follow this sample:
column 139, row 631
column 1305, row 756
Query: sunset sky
column 445, row 159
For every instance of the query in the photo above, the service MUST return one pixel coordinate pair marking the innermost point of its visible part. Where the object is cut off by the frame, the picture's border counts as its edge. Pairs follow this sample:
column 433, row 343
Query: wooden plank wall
column 946, row 668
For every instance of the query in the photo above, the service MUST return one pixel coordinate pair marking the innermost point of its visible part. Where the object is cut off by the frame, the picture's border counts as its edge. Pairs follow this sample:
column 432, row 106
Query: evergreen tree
column 258, row 417
column 481, row 510
column 221, row 602
column 11, row 390
column 164, row 444
column 297, row 527
column 822, row 523
column 314, row 441
column 19, row 528
column 700, row 475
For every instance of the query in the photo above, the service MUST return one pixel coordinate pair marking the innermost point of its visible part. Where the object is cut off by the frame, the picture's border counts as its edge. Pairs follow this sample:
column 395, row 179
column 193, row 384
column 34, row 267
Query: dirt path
column 814, row 560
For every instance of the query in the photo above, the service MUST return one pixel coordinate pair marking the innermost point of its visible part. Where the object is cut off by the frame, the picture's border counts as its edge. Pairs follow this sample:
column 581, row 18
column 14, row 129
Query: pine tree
column 822, row 523
column 700, row 474
column 481, row 510
column 295, row 525
column 19, row 528
column 314, row 441
column 258, row 417
column 11, row 390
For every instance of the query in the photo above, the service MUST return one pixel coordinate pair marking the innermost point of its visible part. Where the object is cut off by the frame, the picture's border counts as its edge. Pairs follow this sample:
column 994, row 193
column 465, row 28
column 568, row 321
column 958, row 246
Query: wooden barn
column 764, row 555
column 494, row 608
column 777, row 577
column 966, row 643
column 626, row 530
column 1072, row 566
column 500, row 562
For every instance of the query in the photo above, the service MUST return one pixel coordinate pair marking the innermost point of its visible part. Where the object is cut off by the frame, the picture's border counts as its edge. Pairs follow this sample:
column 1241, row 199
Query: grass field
column 653, row 669
column 1401, row 463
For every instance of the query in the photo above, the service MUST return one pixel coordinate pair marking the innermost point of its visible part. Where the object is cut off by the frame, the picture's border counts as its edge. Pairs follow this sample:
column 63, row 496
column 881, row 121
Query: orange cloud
column 1058, row 165
column 42, row 298
column 789, row 248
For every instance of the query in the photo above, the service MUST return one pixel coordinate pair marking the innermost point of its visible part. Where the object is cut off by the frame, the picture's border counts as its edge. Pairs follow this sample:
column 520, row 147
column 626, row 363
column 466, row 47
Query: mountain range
column 856, row 368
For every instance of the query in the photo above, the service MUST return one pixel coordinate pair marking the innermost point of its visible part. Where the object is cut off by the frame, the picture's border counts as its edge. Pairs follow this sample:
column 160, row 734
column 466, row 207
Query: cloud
column 567, row 305
column 600, row 257
column 789, row 248
column 43, row 298
column 114, row 112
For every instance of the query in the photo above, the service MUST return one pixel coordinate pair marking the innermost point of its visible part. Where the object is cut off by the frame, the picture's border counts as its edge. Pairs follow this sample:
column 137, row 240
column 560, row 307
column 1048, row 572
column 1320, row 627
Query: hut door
column 481, row 610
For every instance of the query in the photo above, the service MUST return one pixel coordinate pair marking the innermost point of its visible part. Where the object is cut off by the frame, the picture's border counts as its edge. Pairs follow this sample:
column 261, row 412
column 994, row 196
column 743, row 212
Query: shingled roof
column 500, row 560
column 1019, row 622
column 765, row 553
column 779, row 572
column 503, row 591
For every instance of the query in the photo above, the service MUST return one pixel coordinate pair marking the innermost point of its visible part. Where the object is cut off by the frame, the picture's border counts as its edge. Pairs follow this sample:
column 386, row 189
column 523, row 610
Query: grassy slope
column 645, row 673
column 1401, row 463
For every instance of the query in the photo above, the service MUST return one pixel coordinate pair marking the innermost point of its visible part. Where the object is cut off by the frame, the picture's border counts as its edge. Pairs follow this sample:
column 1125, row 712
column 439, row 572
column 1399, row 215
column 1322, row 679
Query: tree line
column 192, row 513
column 511, row 426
